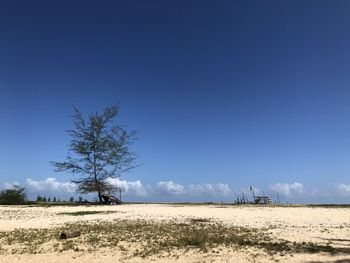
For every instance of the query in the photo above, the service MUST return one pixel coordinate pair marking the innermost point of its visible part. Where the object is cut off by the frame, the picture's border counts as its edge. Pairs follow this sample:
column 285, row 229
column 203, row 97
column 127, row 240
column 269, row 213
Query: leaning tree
column 98, row 151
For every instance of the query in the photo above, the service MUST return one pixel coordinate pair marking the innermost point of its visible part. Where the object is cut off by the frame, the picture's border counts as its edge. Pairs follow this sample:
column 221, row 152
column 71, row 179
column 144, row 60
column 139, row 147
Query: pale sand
column 316, row 224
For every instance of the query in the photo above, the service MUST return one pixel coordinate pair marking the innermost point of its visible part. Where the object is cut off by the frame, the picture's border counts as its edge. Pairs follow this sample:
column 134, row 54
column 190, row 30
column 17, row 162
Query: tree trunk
column 98, row 190
column 99, row 196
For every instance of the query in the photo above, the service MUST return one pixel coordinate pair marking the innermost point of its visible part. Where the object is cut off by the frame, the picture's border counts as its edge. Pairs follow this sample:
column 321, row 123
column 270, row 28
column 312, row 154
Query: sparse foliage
column 98, row 150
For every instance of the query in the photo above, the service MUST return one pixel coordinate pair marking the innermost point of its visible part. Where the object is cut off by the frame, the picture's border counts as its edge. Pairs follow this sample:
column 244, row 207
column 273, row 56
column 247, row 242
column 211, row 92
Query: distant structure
column 112, row 200
column 260, row 199
column 263, row 199
column 242, row 198
column 257, row 199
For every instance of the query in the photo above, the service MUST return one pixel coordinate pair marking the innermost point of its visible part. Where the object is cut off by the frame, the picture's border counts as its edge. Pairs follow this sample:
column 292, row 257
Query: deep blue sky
column 233, row 92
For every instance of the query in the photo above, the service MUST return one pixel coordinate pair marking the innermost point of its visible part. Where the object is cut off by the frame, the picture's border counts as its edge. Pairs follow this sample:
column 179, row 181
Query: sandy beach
column 308, row 234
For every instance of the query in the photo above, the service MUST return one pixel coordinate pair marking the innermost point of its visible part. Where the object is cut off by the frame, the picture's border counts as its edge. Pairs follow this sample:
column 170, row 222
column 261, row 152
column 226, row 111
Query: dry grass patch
column 83, row 213
column 145, row 238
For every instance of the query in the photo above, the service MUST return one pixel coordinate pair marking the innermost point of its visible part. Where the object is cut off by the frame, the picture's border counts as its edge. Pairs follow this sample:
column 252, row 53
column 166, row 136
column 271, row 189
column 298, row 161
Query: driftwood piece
column 69, row 234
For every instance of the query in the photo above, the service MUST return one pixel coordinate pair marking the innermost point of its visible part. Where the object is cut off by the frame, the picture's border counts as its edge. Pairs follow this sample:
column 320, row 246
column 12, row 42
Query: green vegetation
column 15, row 196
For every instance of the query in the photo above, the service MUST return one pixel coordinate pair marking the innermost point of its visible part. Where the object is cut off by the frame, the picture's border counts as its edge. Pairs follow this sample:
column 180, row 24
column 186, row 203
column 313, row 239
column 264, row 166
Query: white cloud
column 249, row 191
column 9, row 185
column 192, row 190
column 135, row 187
column 50, row 185
column 343, row 189
column 218, row 189
column 134, row 190
column 288, row 190
column 170, row 187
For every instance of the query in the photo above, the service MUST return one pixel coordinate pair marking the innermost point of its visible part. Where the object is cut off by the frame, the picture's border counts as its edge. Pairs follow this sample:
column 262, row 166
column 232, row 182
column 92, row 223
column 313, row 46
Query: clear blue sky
column 233, row 92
